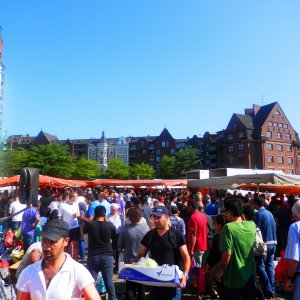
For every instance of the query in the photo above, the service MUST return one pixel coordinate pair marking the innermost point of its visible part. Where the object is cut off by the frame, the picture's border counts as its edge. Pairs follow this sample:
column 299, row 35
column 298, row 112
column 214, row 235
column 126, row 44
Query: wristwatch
column 186, row 275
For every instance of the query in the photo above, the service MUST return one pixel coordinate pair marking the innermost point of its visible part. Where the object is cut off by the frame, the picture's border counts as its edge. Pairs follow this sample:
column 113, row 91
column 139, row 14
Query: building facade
column 262, row 138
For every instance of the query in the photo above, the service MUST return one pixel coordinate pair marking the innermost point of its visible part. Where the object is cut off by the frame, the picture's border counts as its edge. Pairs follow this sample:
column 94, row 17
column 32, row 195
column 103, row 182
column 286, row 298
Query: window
column 269, row 146
column 280, row 125
column 151, row 159
column 165, row 144
column 275, row 124
column 142, row 143
column 132, row 147
column 279, row 147
column 279, row 135
column 270, row 159
column 157, row 158
column 285, row 125
column 230, row 148
column 241, row 134
column 270, row 123
column 157, row 152
column 289, row 160
column 288, row 136
column 230, row 159
column 280, row 159
column 269, row 134
column 277, row 113
column 172, row 151
column 241, row 147
column 151, row 146
column 230, row 137
column 289, row 148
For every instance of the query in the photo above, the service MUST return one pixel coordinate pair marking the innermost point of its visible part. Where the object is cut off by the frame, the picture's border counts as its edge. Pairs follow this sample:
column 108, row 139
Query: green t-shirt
column 237, row 238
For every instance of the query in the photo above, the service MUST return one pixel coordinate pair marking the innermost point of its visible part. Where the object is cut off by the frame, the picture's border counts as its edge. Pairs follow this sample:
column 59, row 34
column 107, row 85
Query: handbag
column 260, row 248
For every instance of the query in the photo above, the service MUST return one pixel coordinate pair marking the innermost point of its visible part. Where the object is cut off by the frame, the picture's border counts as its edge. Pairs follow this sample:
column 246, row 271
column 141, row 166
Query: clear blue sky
column 75, row 68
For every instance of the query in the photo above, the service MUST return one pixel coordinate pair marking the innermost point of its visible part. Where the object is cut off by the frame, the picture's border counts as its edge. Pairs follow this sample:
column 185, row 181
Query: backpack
column 260, row 248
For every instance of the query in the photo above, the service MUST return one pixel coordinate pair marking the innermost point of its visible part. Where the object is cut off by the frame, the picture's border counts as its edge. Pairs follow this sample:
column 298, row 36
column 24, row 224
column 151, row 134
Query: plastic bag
column 100, row 286
column 9, row 239
column 17, row 254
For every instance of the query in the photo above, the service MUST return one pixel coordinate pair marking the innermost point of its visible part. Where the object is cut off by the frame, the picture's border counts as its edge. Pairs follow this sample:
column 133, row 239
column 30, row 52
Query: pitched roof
column 262, row 114
column 245, row 120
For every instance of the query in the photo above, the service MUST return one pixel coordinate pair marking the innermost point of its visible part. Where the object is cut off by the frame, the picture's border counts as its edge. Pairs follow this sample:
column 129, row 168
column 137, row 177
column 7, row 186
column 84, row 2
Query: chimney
column 256, row 108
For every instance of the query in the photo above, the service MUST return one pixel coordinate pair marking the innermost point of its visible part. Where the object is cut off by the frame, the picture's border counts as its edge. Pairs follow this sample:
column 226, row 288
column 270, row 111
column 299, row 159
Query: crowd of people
column 214, row 234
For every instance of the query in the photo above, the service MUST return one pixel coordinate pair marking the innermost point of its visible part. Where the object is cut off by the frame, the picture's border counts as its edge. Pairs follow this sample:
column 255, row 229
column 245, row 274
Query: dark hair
column 233, row 204
column 135, row 200
column 174, row 209
column 259, row 201
column 134, row 214
column 100, row 211
column 248, row 212
column 89, row 197
column 221, row 219
column 193, row 204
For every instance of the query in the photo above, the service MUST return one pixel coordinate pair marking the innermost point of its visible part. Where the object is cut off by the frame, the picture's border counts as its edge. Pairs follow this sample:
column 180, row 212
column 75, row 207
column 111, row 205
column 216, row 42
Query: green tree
column 142, row 171
column 117, row 169
column 11, row 162
column 52, row 160
column 166, row 167
column 185, row 160
column 86, row 169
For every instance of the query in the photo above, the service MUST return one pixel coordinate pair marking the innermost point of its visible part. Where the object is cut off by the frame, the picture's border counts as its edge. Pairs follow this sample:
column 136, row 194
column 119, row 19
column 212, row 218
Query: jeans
column 164, row 293
column 81, row 249
column 296, row 295
column 15, row 225
column 28, row 239
column 248, row 292
column 265, row 269
column 103, row 264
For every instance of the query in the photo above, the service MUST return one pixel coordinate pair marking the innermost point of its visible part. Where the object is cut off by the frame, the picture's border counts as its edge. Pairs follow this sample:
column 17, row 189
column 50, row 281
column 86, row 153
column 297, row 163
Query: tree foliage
column 166, row 167
column 86, row 169
column 142, row 171
column 52, row 160
column 11, row 162
column 117, row 169
column 185, row 160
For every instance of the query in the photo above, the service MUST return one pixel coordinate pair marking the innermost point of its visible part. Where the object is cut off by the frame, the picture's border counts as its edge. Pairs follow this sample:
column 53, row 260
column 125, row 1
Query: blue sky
column 75, row 68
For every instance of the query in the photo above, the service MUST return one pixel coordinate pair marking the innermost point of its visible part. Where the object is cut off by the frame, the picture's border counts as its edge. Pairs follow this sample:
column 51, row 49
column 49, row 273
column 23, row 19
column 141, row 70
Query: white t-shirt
column 15, row 207
column 66, row 284
column 66, row 212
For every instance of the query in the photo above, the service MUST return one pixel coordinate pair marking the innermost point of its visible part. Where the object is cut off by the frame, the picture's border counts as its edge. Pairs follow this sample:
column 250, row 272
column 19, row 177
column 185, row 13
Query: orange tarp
column 44, row 181
column 135, row 183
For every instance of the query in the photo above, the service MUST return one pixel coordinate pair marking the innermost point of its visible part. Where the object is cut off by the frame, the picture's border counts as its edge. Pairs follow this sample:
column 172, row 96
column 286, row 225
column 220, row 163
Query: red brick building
column 262, row 138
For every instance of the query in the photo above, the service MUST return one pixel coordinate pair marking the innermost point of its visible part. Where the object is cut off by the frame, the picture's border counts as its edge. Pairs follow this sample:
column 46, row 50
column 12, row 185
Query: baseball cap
column 55, row 229
column 159, row 211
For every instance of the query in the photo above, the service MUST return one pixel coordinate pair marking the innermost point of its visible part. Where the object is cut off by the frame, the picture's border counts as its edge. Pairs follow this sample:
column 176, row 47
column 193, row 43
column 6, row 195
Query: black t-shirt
column 162, row 248
column 100, row 235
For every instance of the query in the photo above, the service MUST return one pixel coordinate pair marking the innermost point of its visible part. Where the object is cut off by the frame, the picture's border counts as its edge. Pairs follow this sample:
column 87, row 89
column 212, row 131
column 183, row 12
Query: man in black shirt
column 167, row 246
column 100, row 252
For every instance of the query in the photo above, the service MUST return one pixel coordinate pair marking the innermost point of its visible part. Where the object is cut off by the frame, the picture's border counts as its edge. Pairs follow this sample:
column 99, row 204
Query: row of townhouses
column 261, row 138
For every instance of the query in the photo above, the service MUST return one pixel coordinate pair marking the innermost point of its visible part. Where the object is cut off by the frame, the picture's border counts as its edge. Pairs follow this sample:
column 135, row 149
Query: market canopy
column 271, row 182
column 138, row 183
column 44, row 181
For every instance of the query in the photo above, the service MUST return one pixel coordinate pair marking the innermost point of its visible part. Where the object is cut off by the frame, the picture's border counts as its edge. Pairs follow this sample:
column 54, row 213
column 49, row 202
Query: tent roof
column 240, row 181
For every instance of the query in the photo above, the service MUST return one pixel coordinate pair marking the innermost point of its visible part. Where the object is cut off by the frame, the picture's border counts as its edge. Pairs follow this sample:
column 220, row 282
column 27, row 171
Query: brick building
column 262, row 138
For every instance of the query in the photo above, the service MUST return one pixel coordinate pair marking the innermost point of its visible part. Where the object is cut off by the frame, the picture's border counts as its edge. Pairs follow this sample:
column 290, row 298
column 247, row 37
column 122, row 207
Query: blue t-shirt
column 28, row 218
column 91, row 210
